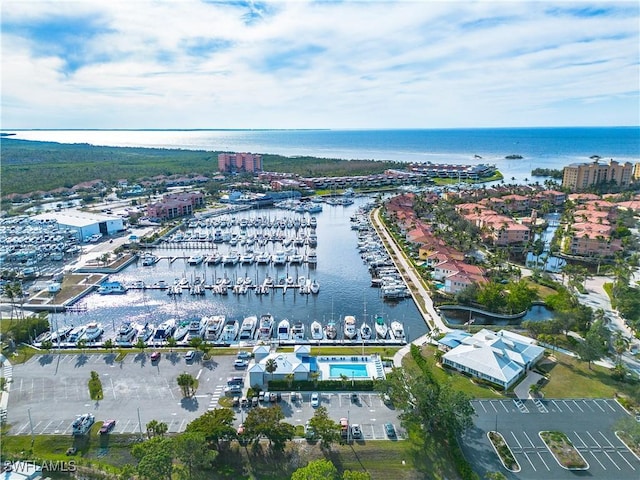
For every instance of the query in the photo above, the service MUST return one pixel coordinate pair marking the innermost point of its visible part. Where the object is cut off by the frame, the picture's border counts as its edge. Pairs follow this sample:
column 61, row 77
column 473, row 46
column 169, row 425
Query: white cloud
column 366, row 64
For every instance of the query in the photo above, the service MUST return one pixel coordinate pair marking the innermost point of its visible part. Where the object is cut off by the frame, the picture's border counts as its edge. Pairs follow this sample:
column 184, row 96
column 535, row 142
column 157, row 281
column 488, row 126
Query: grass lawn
column 543, row 290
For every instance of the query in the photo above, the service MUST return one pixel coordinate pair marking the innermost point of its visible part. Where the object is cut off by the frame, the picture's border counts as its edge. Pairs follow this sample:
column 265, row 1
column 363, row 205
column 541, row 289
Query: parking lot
column 49, row 391
column 589, row 423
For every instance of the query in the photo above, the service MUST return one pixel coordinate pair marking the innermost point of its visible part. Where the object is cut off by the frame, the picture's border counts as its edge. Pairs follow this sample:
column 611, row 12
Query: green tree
column 156, row 429
column 355, row 475
column 490, row 296
column 47, row 345
column 519, row 296
column 317, row 470
column 595, row 344
column 195, row 342
column 314, row 376
column 289, row 377
column 215, row 425
column 267, row 422
column 140, row 345
column 192, row 450
column 187, row 384
column 82, row 344
column 155, row 458
column 127, row 472
column 171, row 343
column 95, row 387
column 109, row 345
column 271, row 366
column 620, row 344
column 327, row 430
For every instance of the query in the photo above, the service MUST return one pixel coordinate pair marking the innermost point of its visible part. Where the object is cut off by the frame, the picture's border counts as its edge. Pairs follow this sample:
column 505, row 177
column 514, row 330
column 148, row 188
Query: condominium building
column 239, row 162
column 580, row 176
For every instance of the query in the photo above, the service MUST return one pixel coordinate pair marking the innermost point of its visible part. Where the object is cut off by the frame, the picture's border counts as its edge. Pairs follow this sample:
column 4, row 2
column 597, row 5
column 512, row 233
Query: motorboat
column 296, row 258
column 60, row 334
column 76, row 334
column 248, row 328
column 146, row 332
column 279, row 258
column 126, row 333
column 149, row 260
column 397, row 330
column 229, row 331
column 314, row 287
column 195, row 329
column 112, row 288
column 262, row 258
column 284, row 330
column 297, row 331
column 381, row 327
column 93, row 331
column 331, row 331
column 213, row 259
column 265, row 329
column 164, row 330
column 247, row 258
column 316, row 330
column 181, row 330
column 365, row 331
column 312, row 257
column 195, row 259
column 213, row 327
column 231, row 258
column 350, row 330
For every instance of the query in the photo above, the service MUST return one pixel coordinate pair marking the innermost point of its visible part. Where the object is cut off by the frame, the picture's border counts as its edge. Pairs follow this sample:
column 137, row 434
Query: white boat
column 76, row 334
column 181, row 330
column 365, row 331
column 111, row 288
column 314, row 287
column 195, row 259
column 312, row 257
column 350, row 330
column 229, row 331
column 262, row 258
column 284, row 330
column 397, row 330
column 149, row 259
column 93, row 331
column 331, row 331
column 213, row 259
column 126, row 333
column 381, row 327
column 279, row 258
column 265, row 329
column 316, row 330
column 231, row 258
column 297, row 331
column 146, row 332
column 247, row 257
column 248, row 328
column 296, row 258
column 196, row 328
column 213, row 327
column 60, row 334
column 164, row 330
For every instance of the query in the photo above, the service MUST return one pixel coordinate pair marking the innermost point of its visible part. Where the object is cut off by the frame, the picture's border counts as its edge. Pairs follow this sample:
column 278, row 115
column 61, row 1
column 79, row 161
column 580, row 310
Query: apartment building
column 580, row 176
column 239, row 162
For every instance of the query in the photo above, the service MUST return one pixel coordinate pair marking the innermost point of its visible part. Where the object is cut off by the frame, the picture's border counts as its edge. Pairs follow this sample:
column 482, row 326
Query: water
column 537, row 313
column 540, row 147
column 345, row 286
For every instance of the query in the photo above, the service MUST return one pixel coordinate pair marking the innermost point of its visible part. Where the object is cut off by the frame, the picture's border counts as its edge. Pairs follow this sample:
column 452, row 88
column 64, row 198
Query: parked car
column 240, row 363
column 242, row 355
column 356, row 431
column 190, row 355
column 315, row 399
column 233, row 390
column 107, row 426
column 155, row 356
column 309, row 432
column 261, row 396
column 390, row 430
column 254, row 401
column 293, row 397
column 354, row 398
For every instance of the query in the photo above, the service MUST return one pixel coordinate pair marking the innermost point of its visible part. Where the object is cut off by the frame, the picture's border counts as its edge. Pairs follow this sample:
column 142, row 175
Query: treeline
column 547, row 172
column 29, row 166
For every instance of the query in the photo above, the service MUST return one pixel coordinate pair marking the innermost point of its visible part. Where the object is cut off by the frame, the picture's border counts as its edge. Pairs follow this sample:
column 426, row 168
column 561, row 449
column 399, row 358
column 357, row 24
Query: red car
column 107, row 426
column 155, row 356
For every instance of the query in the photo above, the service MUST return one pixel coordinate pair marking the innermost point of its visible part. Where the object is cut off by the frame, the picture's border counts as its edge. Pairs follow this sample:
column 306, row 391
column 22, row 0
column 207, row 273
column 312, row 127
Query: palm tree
column 187, row 384
column 271, row 366
column 620, row 344
column 109, row 345
column 171, row 343
column 289, row 377
column 314, row 378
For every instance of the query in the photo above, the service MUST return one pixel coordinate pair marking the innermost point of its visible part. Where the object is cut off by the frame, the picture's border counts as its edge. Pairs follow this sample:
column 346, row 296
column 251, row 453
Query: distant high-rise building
column 581, row 176
column 239, row 162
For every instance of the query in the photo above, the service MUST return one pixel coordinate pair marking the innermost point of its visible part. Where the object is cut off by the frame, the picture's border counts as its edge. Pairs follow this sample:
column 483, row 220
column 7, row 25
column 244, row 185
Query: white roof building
column 501, row 358
column 85, row 223
column 299, row 363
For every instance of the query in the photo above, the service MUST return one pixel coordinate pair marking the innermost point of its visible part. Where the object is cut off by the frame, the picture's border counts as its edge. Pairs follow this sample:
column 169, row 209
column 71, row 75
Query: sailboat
column 381, row 327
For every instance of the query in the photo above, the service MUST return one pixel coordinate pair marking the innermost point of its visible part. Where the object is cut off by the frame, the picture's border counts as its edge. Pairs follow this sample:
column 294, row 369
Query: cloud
column 307, row 64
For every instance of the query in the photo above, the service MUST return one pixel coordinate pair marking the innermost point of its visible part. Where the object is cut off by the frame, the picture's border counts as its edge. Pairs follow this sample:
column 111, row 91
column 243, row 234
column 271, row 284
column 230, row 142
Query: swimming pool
column 351, row 370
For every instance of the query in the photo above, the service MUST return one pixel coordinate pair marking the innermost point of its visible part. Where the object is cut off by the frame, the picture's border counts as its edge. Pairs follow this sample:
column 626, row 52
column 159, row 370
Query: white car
column 315, row 399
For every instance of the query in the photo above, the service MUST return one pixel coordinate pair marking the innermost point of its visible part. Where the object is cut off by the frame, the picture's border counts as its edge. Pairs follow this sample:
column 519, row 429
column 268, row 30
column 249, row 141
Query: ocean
column 539, row 147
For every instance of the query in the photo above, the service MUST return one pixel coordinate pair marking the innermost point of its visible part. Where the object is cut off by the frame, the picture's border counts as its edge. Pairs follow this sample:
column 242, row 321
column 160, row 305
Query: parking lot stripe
column 530, row 442
column 26, row 425
column 627, row 461
column 45, row 427
column 198, row 375
column 516, row 440
column 611, row 460
column 113, row 389
column 611, row 445
column 606, row 402
column 125, row 426
column 567, row 405
column 578, row 406
column 594, row 440
column 597, row 459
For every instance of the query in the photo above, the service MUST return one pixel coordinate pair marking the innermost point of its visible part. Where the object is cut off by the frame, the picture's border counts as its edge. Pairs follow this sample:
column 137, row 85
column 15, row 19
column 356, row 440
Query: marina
column 169, row 282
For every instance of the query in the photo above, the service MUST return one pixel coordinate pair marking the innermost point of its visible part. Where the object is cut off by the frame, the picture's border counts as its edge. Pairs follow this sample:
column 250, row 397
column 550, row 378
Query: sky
column 361, row 64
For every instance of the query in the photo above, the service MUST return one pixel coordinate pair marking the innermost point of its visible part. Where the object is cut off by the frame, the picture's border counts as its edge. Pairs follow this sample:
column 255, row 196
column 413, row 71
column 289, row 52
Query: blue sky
column 318, row 64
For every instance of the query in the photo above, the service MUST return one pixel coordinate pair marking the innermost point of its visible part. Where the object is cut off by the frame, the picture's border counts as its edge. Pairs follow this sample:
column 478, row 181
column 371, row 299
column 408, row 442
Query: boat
column 182, row 330
column 149, row 259
column 279, row 258
column 397, row 330
column 296, row 258
column 164, row 330
column 314, row 287
column 111, row 288
column 316, row 330
column 262, row 258
column 365, row 331
column 248, row 328
column 350, row 330
column 82, row 424
column 213, row 259
column 195, row 259
column 76, row 334
column 284, row 328
column 312, row 257
column 331, row 330
column 229, row 331
column 297, row 331
column 213, row 327
column 126, row 333
column 146, row 332
column 381, row 327
column 231, row 258
column 93, row 331
column 247, row 257
column 196, row 328
column 265, row 329
column 60, row 334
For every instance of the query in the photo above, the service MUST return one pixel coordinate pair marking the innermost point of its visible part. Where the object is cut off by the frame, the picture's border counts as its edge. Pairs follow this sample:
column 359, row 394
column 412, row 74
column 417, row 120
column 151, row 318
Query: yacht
column 213, row 259
column 279, row 258
column 312, row 257
column 181, row 330
column 213, row 327
column 195, row 259
column 111, row 288
column 195, row 329
column 126, row 333
column 365, row 331
column 262, row 258
column 314, row 287
column 149, row 259
column 316, row 330
column 381, row 327
column 284, row 330
column 93, row 331
column 146, row 332
column 265, row 329
column 231, row 258
column 397, row 330
column 247, row 257
column 229, row 331
column 297, row 331
column 164, row 330
column 60, row 334
column 248, row 328
column 76, row 334
column 331, row 331
column 296, row 258
column 350, row 330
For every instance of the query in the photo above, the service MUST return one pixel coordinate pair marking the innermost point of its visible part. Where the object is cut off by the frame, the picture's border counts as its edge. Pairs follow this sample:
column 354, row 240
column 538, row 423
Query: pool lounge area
column 365, row 367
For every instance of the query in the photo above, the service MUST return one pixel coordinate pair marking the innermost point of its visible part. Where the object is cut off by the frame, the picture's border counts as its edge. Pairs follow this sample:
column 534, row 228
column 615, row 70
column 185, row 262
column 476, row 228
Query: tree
column 82, row 344
column 155, row 458
column 317, row 470
column 47, row 345
column 594, row 345
column 620, row 344
column 314, row 376
column 156, row 429
column 195, row 342
column 127, row 472
column 192, row 450
column 215, row 425
column 271, row 366
column 109, row 345
column 289, row 377
column 187, row 384
column 324, row 427
column 267, row 422
column 355, row 475
column 140, row 344
column 95, row 387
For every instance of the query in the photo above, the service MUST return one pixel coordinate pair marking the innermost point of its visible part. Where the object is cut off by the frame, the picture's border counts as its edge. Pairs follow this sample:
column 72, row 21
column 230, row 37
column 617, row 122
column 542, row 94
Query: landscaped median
column 504, row 452
column 563, row 451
